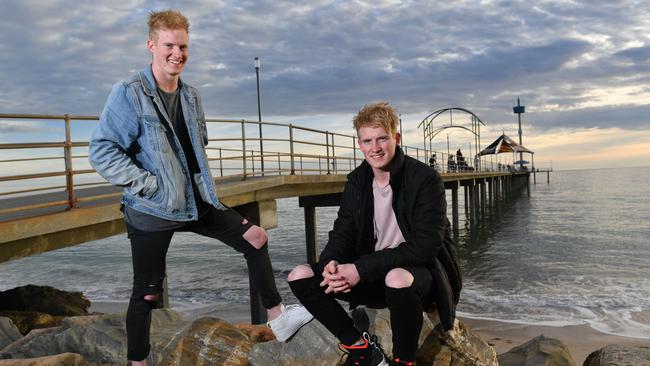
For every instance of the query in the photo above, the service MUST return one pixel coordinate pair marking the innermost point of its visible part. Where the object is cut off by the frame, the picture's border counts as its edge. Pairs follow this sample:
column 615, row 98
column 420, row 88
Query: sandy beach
column 581, row 339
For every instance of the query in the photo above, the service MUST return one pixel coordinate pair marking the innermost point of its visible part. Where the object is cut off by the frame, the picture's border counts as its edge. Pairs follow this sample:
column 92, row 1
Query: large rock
column 210, row 341
column 25, row 321
column 313, row 345
column 44, row 299
column 539, row 351
column 617, row 355
column 457, row 347
column 100, row 339
column 64, row 359
column 8, row 332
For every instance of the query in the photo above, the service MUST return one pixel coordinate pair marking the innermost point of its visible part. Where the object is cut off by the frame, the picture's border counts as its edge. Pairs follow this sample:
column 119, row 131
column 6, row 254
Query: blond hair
column 167, row 19
column 377, row 114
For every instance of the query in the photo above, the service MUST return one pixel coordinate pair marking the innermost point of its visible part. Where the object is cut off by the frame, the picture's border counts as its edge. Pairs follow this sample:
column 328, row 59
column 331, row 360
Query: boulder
column 44, row 299
column 617, row 355
column 8, row 332
column 313, row 345
column 25, row 321
column 210, row 341
column 100, row 339
column 256, row 333
column 539, row 351
column 457, row 347
column 64, row 359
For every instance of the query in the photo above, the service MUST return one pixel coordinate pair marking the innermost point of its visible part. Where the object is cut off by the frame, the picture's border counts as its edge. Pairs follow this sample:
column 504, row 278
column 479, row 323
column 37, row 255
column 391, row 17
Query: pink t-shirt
column 387, row 231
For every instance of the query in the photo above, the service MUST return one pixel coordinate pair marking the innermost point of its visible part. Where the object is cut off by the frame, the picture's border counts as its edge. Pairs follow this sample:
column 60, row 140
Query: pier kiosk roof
column 504, row 144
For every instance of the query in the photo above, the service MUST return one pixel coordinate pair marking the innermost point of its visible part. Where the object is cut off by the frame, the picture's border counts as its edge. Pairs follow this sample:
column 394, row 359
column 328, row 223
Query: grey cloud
column 330, row 57
column 635, row 54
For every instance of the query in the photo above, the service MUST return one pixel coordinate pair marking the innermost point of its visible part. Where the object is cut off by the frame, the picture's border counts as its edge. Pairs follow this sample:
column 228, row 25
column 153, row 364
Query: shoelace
column 372, row 340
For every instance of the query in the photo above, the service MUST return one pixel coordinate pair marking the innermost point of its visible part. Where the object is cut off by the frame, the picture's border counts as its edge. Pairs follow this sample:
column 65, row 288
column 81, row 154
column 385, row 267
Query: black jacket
column 421, row 212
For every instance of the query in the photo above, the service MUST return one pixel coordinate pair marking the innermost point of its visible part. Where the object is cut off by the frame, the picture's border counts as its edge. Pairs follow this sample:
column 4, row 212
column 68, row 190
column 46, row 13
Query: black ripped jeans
column 405, row 306
column 149, row 250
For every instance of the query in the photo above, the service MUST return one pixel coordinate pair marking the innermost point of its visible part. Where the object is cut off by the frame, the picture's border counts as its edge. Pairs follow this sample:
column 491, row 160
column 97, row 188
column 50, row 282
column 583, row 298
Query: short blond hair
column 167, row 19
column 377, row 114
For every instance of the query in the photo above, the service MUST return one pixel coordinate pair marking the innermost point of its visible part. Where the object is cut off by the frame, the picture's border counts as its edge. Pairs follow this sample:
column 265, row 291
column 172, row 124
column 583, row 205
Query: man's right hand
column 334, row 281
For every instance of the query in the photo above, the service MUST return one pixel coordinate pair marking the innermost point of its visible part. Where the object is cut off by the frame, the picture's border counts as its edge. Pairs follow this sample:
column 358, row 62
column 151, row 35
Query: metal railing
column 30, row 167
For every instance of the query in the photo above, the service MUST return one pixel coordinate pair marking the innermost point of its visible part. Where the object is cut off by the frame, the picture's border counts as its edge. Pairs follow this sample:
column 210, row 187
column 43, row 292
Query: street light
column 259, row 112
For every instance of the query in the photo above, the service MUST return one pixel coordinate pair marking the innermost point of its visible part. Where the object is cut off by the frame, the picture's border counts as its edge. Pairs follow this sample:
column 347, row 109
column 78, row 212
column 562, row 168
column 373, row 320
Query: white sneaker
column 293, row 317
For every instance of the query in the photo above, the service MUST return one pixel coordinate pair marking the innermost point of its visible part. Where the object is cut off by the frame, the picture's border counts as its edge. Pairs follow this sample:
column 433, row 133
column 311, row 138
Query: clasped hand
column 339, row 277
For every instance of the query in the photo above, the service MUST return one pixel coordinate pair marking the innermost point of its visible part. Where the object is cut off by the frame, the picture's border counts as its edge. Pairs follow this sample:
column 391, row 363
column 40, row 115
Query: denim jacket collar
column 149, row 82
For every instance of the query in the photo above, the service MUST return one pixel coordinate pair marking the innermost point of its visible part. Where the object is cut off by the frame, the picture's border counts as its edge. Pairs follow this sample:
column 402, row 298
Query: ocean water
column 575, row 251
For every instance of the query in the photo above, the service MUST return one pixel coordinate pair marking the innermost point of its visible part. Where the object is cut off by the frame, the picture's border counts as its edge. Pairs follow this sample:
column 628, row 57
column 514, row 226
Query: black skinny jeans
column 149, row 250
column 404, row 304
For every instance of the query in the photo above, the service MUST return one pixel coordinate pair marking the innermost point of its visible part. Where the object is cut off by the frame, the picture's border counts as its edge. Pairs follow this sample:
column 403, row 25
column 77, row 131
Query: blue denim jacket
column 129, row 148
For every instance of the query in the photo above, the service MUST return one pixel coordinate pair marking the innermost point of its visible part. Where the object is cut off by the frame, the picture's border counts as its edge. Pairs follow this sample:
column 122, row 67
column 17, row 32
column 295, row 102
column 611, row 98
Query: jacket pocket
column 156, row 133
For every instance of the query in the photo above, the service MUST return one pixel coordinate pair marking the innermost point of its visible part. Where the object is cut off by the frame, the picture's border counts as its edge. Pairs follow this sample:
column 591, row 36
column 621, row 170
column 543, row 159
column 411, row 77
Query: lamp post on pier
column 259, row 112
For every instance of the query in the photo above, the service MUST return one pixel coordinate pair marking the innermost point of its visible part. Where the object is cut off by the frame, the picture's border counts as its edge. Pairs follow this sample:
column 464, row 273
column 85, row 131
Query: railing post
column 334, row 156
column 327, row 147
column 220, row 163
column 253, row 161
column 261, row 149
column 279, row 166
column 293, row 167
column 243, row 148
column 354, row 151
column 69, row 174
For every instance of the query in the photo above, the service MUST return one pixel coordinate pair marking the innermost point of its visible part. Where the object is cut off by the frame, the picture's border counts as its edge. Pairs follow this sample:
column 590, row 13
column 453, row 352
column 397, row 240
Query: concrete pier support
column 466, row 191
column 477, row 201
column 483, row 197
column 453, row 185
column 490, row 191
column 309, row 203
column 470, row 201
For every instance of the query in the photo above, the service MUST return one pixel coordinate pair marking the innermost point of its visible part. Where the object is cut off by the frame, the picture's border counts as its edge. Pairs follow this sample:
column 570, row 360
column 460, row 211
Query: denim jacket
column 129, row 148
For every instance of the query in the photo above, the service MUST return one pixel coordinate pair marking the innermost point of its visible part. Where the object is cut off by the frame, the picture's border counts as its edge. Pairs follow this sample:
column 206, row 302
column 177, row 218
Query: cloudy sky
column 581, row 68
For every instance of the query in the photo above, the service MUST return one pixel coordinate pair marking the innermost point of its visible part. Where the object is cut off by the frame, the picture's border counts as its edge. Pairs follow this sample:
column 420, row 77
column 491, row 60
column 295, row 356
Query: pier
column 50, row 197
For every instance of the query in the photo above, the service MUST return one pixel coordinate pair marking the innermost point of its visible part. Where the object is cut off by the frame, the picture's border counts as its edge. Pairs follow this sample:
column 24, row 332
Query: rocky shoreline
column 43, row 326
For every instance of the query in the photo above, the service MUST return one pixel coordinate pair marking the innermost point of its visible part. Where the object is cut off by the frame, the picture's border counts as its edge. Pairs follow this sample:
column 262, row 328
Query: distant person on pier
column 390, row 247
column 151, row 141
column 451, row 164
column 432, row 161
column 460, row 160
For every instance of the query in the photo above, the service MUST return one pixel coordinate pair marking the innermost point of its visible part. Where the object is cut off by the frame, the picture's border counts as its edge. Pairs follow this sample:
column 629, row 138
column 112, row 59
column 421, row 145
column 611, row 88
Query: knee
column 300, row 272
column 256, row 236
column 149, row 291
column 399, row 278
column 152, row 297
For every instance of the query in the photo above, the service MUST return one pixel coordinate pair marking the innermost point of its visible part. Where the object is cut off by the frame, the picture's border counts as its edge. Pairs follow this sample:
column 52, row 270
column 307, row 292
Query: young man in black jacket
column 390, row 247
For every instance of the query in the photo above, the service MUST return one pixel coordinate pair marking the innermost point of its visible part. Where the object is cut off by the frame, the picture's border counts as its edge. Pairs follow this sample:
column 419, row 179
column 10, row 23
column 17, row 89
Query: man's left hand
column 348, row 273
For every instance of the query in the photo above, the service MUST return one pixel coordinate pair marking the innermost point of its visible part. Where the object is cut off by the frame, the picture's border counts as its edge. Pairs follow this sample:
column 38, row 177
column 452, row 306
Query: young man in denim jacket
column 390, row 247
column 151, row 141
